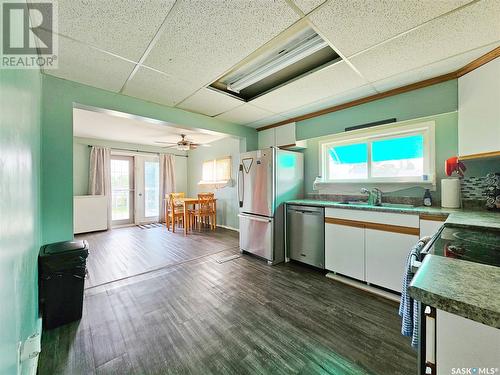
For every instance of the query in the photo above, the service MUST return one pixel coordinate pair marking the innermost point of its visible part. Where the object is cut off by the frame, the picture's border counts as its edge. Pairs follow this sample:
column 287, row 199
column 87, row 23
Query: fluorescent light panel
column 307, row 48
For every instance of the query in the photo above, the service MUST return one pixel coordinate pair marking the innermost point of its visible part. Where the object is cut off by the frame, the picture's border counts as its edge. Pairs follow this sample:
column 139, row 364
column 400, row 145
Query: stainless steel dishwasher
column 306, row 234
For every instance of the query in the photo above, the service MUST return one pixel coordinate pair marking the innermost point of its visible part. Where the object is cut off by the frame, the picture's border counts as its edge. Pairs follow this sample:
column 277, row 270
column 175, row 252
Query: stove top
column 472, row 244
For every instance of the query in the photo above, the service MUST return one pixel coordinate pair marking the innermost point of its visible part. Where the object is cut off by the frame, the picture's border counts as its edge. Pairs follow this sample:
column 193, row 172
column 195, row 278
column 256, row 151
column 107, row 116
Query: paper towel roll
column 450, row 193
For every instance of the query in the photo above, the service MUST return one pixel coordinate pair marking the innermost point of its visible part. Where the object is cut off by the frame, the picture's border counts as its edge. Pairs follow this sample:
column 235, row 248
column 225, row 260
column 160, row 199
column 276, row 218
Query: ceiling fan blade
column 206, row 145
column 167, row 143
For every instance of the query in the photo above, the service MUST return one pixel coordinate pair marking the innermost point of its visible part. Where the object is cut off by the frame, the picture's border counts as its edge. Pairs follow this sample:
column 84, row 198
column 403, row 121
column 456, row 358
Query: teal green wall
column 20, row 100
column 431, row 100
column 446, row 146
column 227, row 199
column 57, row 142
column 440, row 102
column 81, row 154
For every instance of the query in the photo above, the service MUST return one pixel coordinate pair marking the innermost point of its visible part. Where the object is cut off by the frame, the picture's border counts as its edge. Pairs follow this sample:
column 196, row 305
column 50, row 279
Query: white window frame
column 393, row 130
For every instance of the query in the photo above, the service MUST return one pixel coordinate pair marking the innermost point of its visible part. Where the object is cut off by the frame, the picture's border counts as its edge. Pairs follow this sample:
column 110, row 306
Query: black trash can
column 61, row 277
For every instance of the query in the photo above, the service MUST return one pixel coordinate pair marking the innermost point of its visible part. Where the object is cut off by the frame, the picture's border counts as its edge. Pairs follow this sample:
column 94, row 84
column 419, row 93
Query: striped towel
column 408, row 308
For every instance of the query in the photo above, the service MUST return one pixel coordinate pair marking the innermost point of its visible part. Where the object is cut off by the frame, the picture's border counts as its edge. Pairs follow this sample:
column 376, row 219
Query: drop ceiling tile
column 344, row 97
column 432, row 70
column 244, row 114
column 157, row 87
column 81, row 63
column 354, row 25
column 210, row 102
column 123, row 27
column 327, row 82
column 266, row 121
column 307, row 5
column 203, row 39
column 471, row 27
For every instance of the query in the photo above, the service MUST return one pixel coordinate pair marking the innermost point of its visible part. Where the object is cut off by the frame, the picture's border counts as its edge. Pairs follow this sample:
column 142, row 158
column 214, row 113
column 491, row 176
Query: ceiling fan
column 184, row 144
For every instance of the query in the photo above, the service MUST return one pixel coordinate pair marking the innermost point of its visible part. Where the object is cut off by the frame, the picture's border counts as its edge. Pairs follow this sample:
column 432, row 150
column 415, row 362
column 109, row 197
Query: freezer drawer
column 256, row 235
column 306, row 235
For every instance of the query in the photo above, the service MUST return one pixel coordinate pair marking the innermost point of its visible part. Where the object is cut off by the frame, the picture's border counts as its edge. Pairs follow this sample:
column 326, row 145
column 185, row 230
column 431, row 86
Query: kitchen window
column 385, row 154
column 216, row 172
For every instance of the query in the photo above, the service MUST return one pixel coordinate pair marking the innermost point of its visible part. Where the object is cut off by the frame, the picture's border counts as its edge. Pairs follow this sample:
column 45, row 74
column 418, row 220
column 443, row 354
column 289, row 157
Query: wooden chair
column 205, row 213
column 174, row 210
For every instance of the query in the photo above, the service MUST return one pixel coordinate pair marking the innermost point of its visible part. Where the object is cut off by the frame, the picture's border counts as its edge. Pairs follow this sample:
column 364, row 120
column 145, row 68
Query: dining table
column 192, row 202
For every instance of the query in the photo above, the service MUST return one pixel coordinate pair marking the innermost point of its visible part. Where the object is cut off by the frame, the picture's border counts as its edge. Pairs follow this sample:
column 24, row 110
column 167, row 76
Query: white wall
column 227, row 200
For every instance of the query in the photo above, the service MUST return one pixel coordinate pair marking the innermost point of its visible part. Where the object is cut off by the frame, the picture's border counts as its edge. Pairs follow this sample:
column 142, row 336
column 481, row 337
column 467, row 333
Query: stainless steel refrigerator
column 266, row 179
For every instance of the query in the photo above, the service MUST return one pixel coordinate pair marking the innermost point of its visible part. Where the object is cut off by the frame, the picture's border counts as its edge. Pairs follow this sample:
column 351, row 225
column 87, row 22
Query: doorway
column 147, row 189
column 135, row 189
column 122, row 190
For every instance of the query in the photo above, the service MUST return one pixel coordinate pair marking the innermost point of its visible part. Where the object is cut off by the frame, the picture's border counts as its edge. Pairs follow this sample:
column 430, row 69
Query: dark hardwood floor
column 125, row 252
column 237, row 317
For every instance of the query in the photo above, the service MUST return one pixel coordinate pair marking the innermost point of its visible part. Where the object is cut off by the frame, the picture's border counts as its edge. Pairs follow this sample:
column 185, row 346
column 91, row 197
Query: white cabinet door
column 345, row 250
column 285, row 135
column 479, row 110
column 386, row 254
column 464, row 343
column 267, row 138
column 429, row 227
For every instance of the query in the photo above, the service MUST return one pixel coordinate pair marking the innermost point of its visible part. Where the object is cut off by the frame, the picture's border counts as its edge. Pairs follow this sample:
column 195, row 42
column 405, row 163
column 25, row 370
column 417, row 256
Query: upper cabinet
column 267, row 138
column 479, row 112
column 280, row 136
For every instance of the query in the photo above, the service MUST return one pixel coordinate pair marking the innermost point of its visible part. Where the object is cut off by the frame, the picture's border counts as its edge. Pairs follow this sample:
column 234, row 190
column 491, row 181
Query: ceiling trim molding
column 486, row 58
column 493, row 54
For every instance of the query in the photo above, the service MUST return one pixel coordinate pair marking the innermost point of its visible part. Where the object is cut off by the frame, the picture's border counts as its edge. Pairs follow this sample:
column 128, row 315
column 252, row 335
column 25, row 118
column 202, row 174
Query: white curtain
column 100, row 175
column 167, row 181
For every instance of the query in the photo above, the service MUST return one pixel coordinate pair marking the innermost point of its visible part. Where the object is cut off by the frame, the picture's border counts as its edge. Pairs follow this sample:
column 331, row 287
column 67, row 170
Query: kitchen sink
column 392, row 205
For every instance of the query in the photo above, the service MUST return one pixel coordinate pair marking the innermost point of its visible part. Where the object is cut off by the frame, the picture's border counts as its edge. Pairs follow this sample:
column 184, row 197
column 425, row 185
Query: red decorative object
column 454, row 165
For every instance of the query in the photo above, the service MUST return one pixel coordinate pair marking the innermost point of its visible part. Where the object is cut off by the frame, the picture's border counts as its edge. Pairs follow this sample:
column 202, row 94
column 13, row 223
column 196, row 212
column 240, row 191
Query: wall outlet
column 28, row 353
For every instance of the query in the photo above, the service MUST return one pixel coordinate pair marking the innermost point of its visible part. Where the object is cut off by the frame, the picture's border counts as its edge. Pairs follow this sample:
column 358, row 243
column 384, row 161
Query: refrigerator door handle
column 256, row 218
column 241, row 186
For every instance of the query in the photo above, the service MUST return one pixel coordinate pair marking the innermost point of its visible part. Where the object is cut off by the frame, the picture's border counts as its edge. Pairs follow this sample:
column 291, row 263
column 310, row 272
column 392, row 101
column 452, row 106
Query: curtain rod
column 139, row 151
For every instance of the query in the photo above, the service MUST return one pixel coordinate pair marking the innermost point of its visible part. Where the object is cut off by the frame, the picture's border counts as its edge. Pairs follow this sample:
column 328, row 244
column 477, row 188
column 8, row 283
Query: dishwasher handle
column 305, row 211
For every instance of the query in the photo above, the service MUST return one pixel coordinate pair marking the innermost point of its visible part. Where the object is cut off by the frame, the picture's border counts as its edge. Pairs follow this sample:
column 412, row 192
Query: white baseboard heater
column 90, row 213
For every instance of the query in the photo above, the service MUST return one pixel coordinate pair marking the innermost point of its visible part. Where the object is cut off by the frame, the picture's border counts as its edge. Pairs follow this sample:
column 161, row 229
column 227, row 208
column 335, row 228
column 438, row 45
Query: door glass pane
column 120, row 187
column 398, row 157
column 348, row 162
column 151, row 188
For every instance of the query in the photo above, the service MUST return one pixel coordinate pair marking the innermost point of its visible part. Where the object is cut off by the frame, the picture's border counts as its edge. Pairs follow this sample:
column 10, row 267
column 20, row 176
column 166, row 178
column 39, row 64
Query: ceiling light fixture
column 283, row 60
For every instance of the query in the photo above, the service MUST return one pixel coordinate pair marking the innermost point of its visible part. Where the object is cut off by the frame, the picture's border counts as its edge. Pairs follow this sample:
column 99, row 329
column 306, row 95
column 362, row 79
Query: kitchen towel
column 408, row 308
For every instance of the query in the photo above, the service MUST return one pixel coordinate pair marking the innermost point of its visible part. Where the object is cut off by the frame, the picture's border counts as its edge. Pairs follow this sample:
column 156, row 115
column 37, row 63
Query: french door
column 135, row 186
column 122, row 189
column 147, row 189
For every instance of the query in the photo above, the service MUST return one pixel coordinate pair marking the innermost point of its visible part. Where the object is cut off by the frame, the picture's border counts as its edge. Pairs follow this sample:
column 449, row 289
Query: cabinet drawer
column 389, row 218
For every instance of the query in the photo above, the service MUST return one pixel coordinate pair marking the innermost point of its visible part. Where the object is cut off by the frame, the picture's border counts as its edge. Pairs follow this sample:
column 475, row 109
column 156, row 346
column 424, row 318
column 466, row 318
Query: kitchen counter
column 461, row 217
column 467, row 289
column 464, row 288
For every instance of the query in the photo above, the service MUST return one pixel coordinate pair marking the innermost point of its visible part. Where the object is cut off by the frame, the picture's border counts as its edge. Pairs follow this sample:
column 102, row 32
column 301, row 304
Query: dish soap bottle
column 427, row 198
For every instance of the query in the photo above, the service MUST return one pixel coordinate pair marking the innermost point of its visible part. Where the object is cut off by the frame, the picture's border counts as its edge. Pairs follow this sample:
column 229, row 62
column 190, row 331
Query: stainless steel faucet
column 377, row 194
column 374, row 196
